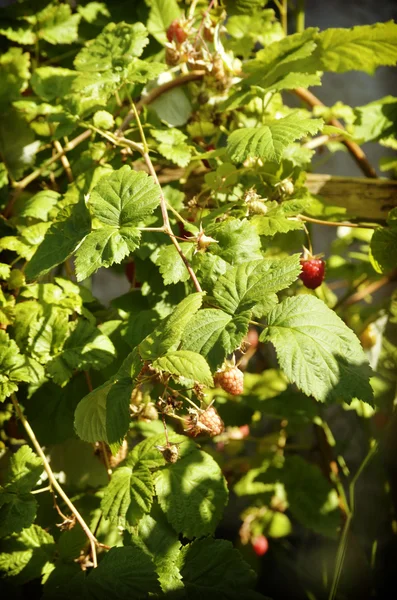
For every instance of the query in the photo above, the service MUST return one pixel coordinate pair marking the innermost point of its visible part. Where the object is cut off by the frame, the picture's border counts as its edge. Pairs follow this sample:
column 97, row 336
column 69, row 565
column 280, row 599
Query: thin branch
column 64, row 160
column 336, row 223
column 163, row 202
column 54, row 483
column 158, row 91
column 354, row 149
column 370, row 289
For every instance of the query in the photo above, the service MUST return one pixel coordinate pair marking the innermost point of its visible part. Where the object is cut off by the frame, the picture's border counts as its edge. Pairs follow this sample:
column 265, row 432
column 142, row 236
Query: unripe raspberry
column 176, row 32
column 207, row 422
column 231, row 380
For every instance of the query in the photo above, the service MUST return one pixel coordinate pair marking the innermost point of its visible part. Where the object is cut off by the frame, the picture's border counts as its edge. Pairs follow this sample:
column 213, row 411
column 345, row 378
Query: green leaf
column 237, row 240
column 120, row 201
column 173, row 146
column 60, row 241
column 185, row 364
column 17, row 506
column 383, row 247
column 163, row 544
column 192, row 493
column 90, row 415
column 243, row 7
column 103, row 120
column 113, row 49
column 128, row 496
column 24, row 471
column 311, row 498
column 362, row 48
column 86, row 348
column 89, row 91
column 253, row 285
column 215, row 565
column 169, row 333
column 118, row 412
column 269, row 141
column 142, row 71
column 18, row 147
column 39, row 205
column 52, row 82
column 57, row 25
column 214, row 334
column 15, row 368
column 14, row 75
column 162, row 13
column 376, row 120
column 172, row 267
column 123, row 573
column 27, row 555
column 317, row 351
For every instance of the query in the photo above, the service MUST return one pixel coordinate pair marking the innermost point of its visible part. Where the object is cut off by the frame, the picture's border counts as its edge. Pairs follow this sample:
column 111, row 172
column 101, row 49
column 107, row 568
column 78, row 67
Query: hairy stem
column 54, row 483
column 336, row 223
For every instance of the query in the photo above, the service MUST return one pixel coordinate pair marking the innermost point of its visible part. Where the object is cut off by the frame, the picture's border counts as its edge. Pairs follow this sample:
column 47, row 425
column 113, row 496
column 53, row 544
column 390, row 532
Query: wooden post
column 363, row 198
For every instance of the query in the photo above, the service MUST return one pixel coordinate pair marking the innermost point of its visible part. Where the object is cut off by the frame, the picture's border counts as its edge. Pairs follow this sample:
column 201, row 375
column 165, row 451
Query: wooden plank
column 364, row 199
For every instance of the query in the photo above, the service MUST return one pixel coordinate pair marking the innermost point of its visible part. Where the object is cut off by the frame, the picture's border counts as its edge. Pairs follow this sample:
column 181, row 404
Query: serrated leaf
column 172, row 267
column 162, row 13
column 18, row 146
column 123, row 573
column 90, row 91
column 147, row 453
column 14, row 75
column 113, row 49
column 214, row 334
column 120, row 201
column 27, row 555
column 185, row 364
column 237, row 240
column 15, row 368
column 215, row 565
column 90, row 415
column 128, row 496
column 24, row 470
column 363, row 48
column 317, row 351
column 52, row 82
column 85, row 348
column 269, row 141
column 17, row 506
column 60, row 241
column 57, row 25
column 253, row 285
column 39, row 205
column 169, row 333
column 383, row 254
column 376, row 120
column 173, row 146
column 103, row 248
column 142, row 71
column 192, row 493
column 118, row 412
column 163, row 544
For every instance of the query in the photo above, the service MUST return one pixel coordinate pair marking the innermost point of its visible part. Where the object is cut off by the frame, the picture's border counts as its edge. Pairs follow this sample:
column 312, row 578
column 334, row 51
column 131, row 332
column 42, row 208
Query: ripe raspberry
column 208, row 422
column 231, row 380
column 260, row 545
column 313, row 270
column 176, row 32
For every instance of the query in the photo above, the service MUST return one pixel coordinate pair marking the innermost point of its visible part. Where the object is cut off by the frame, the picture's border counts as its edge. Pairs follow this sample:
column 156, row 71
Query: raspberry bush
column 160, row 153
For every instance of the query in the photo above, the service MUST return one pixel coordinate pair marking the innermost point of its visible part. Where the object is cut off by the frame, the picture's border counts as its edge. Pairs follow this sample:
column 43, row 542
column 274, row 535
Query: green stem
column 300, row 16
column 340, row 557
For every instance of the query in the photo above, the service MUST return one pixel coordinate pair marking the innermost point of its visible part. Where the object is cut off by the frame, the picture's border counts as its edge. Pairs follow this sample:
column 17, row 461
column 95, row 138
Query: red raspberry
column 245, row 430
column 231, row 380
column 176, row 32
column 260, row 545
column 313, row 270
column 208, row 422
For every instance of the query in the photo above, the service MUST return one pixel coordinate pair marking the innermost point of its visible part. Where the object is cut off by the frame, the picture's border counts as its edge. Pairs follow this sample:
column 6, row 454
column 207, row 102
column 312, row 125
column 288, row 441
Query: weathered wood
column 364, row 199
